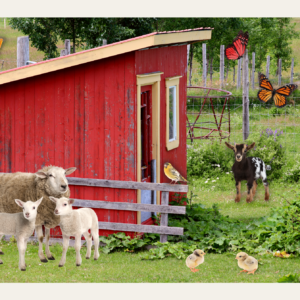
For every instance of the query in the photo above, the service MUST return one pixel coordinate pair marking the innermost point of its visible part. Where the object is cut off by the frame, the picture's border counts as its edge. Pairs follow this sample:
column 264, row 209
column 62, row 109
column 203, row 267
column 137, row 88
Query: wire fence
column 225, row 121
column 230, row 77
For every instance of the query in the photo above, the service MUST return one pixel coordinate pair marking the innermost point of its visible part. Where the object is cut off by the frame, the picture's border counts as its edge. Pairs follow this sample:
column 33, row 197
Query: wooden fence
column 221, row 71
column 164, row 208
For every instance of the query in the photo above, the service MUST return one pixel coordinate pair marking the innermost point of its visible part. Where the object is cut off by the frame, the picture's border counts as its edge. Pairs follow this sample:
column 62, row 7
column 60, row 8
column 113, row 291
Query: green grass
column 127, row 267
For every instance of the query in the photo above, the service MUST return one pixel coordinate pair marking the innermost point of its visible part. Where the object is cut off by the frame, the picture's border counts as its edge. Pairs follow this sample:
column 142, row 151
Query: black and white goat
column 250, row 169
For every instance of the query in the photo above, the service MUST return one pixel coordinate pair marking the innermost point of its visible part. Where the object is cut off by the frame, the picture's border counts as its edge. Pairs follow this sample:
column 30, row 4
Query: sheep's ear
column 38, row 202
column 52, row 199
column 19, row 202
column 71, row 201
column 250, row 147
column 229, row 146
column 70, row 170
column 41, row 174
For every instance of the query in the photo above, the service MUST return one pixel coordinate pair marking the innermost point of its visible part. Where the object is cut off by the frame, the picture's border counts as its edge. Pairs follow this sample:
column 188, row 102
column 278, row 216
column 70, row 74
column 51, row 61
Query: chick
column 195, row 259
column 247, row 263
column 172, row 173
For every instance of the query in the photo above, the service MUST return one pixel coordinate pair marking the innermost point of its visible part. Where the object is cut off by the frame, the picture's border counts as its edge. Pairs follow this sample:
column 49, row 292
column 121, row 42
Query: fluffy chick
column 172, row 173
column 247, row 263
column 195, row 259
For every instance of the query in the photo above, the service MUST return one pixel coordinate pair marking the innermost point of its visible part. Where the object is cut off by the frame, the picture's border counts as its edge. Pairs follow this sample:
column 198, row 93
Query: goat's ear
column 250, row 147
column 71, row 201
column 229, row 146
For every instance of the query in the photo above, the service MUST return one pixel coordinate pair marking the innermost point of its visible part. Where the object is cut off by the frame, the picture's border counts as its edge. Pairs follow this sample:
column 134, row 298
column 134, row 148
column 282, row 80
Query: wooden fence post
column 204, row 69
column 279, row 72
column 245, row 96
column 292, row 71
column 238, row 84
column 164, row 217
column 233, row 75
column 268, row 66
column 22, row 50
column 104, row 42
column 222, row 65
column 253, row 69
column 211, row 71
column 63, row 52
column 67, row 47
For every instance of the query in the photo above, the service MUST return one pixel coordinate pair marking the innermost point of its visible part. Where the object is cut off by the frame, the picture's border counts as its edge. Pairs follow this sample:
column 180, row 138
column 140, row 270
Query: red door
column 146, row 145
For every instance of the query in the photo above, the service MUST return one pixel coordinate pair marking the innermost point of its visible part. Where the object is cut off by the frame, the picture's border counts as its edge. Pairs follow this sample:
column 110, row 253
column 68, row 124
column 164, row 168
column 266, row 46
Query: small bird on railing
column 195, row 259
column 172, row 173
column 247, row 263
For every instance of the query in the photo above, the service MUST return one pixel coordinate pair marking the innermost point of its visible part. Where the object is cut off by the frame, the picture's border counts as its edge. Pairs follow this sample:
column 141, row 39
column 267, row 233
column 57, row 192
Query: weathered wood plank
column 292, row 71
column 167, row 209
column 132, row 185
column 164, row 217
column 268, row 66
column 141, row 228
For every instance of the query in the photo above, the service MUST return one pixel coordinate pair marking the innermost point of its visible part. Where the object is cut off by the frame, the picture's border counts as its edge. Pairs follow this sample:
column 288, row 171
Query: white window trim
column 172, row 82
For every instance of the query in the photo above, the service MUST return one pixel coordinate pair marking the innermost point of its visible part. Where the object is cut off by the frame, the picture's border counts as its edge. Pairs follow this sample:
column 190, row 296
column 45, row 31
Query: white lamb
column 76, row 223
column 21, row 225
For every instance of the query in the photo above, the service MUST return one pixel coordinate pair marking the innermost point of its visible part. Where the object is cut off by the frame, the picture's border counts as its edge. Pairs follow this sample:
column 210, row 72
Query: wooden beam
column 245, row 96
column 204, row 62
column 131, row 185
column 253, row 69
column 164, row 217
column 279, row 72
column 22, row 50
column 268, row 66
column 222, row 49
column 292, row 71
column 181, row 210
column 141, row 228
column 238, row 85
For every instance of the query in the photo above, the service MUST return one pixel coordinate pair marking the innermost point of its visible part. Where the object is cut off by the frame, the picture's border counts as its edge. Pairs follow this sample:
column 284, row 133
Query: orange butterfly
column 279, row 95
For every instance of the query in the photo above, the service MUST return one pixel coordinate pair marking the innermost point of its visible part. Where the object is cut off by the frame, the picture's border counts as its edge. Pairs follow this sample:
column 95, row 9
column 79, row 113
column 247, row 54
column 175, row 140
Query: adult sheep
column 49, row 181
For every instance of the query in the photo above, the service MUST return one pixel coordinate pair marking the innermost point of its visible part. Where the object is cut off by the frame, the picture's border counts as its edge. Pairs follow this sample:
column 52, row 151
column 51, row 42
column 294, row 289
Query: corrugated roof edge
column 109, row 45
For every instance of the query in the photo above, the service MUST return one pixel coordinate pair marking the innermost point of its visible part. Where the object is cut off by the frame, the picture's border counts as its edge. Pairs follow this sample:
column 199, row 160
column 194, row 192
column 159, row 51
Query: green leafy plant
column 290, row 278
column 162, row 250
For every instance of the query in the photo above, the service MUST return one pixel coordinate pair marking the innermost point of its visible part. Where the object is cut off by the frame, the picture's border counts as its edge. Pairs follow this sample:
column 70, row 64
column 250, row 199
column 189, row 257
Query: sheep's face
column 63, row 205
column 29, row 208
column 240, row 150
column 56, row 179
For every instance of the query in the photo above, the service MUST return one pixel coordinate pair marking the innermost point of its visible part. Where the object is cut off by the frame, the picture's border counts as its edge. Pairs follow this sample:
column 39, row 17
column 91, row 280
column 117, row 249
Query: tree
column 44, row 33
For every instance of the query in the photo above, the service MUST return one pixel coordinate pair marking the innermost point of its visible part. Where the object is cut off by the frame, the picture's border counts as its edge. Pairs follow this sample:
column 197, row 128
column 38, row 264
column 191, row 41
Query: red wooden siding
column 82, row 116
column 172, row 61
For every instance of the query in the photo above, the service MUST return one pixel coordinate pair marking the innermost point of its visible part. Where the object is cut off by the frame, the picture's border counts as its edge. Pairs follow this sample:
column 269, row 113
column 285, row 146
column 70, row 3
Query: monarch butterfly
column 279, row 95
column 238, row 47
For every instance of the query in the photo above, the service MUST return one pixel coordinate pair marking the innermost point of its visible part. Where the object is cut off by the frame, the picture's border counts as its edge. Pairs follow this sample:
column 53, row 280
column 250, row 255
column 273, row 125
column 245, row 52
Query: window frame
column 172, row 82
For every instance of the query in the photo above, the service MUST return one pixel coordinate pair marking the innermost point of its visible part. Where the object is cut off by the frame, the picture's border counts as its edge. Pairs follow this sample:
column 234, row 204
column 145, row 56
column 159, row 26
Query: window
column 172, row 117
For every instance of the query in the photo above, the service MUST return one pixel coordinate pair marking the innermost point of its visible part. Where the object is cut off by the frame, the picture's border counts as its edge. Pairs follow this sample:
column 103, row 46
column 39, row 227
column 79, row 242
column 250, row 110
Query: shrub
column 268, row 147
column 293, row 174
column 209, row 159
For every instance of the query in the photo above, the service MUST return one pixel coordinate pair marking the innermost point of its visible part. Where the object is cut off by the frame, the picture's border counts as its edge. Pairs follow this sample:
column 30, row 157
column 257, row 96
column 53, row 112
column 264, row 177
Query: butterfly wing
column 240, row 42
column 280, row 100
column 264, row 82
column 264, row 95
column 231, row 53
column 238, row 47
column 282, row 93
column 287, row 89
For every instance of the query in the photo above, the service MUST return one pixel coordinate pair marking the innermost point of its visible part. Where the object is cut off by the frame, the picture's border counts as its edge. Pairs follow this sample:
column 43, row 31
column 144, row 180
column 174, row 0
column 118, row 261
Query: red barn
column 115, row 112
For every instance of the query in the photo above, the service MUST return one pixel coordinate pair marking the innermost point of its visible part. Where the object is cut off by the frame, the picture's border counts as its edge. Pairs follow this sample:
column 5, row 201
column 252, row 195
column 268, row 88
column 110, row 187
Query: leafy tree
column 44, row 33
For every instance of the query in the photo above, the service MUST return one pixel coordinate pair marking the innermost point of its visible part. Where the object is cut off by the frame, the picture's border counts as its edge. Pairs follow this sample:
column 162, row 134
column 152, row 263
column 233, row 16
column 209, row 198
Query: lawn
column 128, row 267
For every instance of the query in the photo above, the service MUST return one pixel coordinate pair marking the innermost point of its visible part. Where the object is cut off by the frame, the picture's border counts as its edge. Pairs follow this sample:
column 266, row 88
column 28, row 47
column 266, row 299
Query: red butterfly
column 238, row 47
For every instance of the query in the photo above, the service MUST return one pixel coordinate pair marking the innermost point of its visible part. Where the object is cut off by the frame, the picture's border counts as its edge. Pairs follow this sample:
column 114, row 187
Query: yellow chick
column 172, row 173
column 195, row 259
column 247, row 263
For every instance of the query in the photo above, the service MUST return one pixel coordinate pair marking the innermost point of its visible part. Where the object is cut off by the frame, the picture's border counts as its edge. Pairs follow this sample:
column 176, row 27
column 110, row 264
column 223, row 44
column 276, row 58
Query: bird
column 247, row 263
column 172, row 173
column 195, row 259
